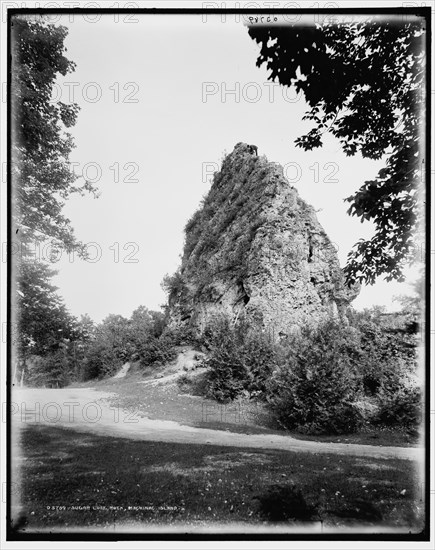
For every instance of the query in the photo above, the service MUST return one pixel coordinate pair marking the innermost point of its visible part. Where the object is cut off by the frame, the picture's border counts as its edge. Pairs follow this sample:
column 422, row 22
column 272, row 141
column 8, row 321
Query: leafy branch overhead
column 41, row 174
column 364, row 84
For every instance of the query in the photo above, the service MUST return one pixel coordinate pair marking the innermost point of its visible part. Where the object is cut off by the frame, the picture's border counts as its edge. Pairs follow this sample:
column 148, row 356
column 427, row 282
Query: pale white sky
column 146, row 121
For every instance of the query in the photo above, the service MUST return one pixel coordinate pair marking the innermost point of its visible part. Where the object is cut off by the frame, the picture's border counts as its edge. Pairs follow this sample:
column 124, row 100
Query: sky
column 163, row 98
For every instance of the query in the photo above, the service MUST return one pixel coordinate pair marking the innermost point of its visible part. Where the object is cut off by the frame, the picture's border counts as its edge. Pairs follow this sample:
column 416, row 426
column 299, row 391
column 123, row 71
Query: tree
column 45, row 327
column 41, row 182
column 43, row 320
column 117, row 339
column 363, row 82
column 147, row 321
column 86, row 328
column 41, row 176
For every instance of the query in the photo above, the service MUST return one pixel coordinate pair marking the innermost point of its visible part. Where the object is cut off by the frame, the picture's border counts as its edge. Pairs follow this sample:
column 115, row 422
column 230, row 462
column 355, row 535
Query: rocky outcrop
column 256, row 249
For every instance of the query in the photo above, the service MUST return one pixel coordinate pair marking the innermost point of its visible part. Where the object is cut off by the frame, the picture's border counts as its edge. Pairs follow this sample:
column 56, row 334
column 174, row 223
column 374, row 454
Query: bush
column 181, row 335
column 316, row 388
column 386, row 365
column 100, row 361
column 155, row 351
column 400, row 404
column 384, row 353
column 240, row 360
column 322, row 380
column 52, row 370
column 174, row 285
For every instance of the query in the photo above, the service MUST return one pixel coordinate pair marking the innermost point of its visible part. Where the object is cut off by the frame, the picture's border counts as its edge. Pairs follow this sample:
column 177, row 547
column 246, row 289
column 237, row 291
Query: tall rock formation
column 255, row 248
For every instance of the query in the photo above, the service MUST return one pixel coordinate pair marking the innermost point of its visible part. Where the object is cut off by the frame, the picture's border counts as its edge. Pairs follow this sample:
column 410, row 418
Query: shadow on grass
column 72, row 479
column 284, row 503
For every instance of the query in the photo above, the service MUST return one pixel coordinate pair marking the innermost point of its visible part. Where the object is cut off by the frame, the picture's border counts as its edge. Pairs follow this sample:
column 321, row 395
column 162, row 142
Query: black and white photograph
column 216, row 320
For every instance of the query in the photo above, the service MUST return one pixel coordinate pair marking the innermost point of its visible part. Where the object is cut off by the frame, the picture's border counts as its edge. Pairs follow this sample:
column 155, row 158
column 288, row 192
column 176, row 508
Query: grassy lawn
column 122, row 481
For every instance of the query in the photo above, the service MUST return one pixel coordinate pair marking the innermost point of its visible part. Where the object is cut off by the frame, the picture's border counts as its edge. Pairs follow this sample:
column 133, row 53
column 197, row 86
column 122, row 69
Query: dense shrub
column 100, row 361
column 174, row 285
column 155, row 351
column 316, row 387
column 240, row 359
column 400, row 403
column 52, row 370
column 384, row 352
column 387, row 364
column 329, row 380
column 182, row 335
column 116, row 340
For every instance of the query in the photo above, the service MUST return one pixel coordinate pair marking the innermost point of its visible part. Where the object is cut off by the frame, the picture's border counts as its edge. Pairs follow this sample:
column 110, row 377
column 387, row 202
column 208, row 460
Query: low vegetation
column 332, row 379
column 97, row 351
column 336, row 378
column 240, row 360
column 316, row 386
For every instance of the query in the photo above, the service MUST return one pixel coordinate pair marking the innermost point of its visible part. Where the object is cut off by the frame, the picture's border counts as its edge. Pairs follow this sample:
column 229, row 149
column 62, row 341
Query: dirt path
column 88, row 410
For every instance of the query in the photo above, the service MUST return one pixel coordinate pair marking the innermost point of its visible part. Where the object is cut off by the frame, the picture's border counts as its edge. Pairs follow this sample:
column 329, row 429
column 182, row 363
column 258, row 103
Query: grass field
column 71, row 479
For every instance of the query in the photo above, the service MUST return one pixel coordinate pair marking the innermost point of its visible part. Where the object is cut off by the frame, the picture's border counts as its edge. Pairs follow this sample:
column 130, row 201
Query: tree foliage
column 363, row 82
column 240, row 359
column 117, row 339
column 41, row 182
column 41, row 176
column 43, row 321
column 46, row 332
column 315, row 388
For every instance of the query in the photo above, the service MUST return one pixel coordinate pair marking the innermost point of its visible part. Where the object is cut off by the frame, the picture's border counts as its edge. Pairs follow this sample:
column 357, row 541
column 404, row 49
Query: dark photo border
column 13, row 534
